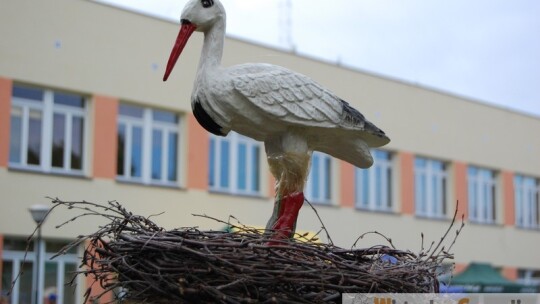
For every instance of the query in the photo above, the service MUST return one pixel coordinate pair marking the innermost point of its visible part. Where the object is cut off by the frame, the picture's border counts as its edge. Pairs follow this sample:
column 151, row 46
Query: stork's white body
column 264, row 101
column 292, row 114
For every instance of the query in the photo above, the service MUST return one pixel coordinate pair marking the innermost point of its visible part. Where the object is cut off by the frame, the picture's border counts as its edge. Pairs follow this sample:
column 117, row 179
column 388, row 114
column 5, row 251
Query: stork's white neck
column 212, row 50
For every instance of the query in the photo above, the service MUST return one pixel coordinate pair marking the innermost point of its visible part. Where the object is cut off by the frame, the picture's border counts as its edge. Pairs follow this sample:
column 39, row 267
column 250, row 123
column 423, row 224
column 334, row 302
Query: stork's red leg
column 290, row 206
column 288, row 157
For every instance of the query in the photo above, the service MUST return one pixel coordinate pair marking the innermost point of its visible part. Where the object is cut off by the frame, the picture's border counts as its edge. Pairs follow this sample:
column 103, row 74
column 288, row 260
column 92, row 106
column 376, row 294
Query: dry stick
column 320, row 220
column 389, row 240
column 458, row 231
column 447, row 231
column 27, row 249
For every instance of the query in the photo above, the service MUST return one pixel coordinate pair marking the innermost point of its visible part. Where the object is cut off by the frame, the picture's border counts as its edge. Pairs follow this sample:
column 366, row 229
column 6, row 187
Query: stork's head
column 198, row 15
column 203, row 13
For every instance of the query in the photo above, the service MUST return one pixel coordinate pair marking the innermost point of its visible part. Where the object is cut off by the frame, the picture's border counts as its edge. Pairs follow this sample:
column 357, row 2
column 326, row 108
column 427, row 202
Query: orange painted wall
column 5, row 110
column 460, row 183
column 105, row 136
column 197, row 162
column 96, row 291
column 96, row 288
column 407, row 182
column 510, row 273
column 271, row 186
column 346, row 187
column 508, row 198
column 458, row 268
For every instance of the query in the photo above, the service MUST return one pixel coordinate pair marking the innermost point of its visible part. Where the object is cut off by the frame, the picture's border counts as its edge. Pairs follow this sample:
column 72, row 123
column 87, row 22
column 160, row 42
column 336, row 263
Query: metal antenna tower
column 285, row 24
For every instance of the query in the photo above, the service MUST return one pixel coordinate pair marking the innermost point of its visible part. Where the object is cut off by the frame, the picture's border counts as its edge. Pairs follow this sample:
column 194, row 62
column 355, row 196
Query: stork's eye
column 207, row 3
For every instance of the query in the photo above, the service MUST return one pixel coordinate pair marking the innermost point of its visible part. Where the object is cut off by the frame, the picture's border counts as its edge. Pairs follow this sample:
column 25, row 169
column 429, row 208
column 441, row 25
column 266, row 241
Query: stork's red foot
column 284, row 226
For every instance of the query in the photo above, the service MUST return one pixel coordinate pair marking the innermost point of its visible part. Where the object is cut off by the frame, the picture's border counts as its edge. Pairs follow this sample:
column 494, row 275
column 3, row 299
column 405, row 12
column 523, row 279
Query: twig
column 320, row 220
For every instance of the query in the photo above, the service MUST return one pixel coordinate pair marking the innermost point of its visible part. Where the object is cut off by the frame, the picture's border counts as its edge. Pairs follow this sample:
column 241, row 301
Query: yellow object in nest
column 300, row 235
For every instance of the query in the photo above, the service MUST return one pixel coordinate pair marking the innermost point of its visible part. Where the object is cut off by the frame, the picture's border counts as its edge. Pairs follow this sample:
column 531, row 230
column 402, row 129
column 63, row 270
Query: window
column 527, row 197
column 147, row 146
column 529, row 276
column 53, row 277
column 318, row 187
column 482, row 195
column 234, row 164
column 374, row 186
column 47, row 130
column 430, row 187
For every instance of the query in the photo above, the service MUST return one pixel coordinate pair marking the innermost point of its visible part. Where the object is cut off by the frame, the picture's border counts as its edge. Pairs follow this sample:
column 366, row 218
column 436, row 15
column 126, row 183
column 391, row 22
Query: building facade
column 84, row 115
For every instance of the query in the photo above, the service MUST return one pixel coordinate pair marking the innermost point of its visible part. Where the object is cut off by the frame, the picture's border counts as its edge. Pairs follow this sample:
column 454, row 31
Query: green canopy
column 483, row 278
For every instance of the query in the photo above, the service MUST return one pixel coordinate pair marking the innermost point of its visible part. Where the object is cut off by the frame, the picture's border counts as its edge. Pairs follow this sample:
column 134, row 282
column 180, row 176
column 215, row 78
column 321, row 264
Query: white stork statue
column 289, row 112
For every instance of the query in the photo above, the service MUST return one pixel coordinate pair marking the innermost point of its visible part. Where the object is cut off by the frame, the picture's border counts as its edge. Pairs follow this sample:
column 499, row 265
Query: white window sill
column 235, row 193
column 437, row 217
column 483, row 222
column 39, row 170
column 528, row 228
column 138, row 182
column 376, row 210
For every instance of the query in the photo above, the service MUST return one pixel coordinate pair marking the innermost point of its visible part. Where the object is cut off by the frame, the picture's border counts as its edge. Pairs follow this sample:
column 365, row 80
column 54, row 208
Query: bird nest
column 142, row 262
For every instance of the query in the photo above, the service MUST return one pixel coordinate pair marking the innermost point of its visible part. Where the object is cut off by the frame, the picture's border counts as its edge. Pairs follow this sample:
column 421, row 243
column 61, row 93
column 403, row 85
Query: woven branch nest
column 145, row 263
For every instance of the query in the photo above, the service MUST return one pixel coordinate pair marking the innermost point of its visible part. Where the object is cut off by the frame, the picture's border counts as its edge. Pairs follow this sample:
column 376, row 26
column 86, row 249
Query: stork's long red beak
column 186, row 30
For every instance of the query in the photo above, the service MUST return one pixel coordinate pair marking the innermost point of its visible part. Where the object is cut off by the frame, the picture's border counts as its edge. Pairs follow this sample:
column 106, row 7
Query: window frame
column 388, row 183
column 234, row 140
column 148, row 125
column 324, row 170
column 529, row 277
column 47, row 109
column 435, row 192
column 481, row 182
column 527, row 201
column 20, row 257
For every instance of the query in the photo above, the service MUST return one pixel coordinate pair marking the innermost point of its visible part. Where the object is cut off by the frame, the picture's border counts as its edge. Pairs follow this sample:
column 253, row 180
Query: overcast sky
column 488, row 50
